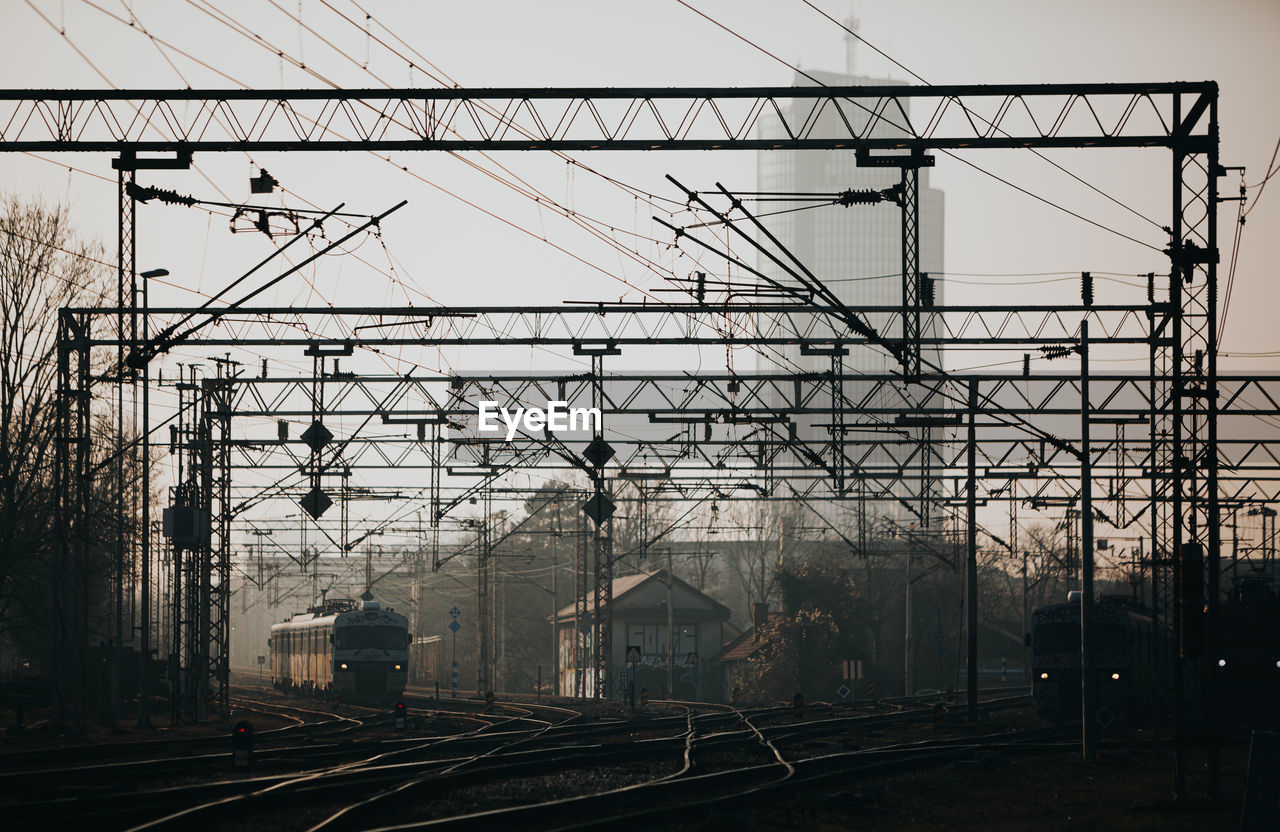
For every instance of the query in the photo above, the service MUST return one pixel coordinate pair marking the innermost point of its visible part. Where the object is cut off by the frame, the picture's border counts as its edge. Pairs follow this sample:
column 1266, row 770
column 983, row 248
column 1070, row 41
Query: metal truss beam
column 621, row 325
column 715, row 118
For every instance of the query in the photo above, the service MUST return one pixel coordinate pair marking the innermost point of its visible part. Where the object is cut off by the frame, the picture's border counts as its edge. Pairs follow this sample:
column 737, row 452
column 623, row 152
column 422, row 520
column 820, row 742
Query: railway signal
column 400, row 715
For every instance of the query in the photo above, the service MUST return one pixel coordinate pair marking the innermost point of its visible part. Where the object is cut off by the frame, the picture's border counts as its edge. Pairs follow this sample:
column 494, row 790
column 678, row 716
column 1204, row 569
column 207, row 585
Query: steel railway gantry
column 1183, row 393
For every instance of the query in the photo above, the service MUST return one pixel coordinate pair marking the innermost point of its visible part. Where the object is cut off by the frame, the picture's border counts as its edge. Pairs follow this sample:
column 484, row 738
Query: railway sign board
column 455, row 612
column 262, row 660
column 598, row 452
column 599, row 508
column 633, row 653
column 317, row 436
column 843, row 691
column 316, row 502
column 454, row 626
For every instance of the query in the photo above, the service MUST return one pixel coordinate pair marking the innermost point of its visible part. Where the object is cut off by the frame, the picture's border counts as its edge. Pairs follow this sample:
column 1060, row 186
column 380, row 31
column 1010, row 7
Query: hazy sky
column 446, row 250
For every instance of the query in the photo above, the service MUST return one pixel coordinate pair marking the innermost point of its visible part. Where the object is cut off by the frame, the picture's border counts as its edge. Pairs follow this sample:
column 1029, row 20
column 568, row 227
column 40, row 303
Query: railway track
column 459, row 763
column 304, row 721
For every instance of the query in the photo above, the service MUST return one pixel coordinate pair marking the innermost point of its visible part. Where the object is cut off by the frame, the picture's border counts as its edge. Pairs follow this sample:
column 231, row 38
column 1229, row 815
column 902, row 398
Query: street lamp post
column 144, row 623
column 1088, row 685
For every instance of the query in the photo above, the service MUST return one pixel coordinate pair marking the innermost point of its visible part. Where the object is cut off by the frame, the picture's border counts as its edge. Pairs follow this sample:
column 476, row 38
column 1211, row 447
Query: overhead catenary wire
column 1261, row 185
column 121, row 20
column 972, row 114
column 85, row 57
column 949, row 154
column 226, row 20
column 520, row 185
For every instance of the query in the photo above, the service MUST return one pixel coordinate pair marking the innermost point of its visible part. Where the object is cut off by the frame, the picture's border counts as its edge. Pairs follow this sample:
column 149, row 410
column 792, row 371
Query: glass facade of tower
column 857, row 252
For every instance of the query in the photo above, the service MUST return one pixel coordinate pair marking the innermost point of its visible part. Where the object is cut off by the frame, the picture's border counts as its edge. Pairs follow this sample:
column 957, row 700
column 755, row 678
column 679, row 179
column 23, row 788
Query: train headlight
column 1278, row 664
column 342, row 666
column 397, row 667
column 1044, row 675
column 1222, row 662
column 1115, row 676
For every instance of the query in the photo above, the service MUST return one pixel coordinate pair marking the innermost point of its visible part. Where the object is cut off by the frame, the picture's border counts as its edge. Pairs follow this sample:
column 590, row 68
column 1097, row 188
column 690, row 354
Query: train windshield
column 1064, row 637
column 1059, row 637
column 360, row 637
column 1111, row 639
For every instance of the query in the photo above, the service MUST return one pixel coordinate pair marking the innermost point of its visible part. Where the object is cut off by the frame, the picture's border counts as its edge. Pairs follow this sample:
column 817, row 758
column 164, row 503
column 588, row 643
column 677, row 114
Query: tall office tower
column 856, row 250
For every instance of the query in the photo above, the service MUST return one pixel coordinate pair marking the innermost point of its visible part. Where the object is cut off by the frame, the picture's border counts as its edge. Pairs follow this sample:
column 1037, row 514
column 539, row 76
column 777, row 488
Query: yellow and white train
column 351, row 649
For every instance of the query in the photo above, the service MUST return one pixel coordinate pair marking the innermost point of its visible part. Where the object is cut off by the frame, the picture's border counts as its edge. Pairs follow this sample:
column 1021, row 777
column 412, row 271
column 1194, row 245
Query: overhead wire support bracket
column 907, row 195
column 166, row 339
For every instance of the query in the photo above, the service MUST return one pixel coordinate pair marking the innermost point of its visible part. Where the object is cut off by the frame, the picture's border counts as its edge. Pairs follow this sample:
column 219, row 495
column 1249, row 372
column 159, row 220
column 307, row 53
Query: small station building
column 677, row 668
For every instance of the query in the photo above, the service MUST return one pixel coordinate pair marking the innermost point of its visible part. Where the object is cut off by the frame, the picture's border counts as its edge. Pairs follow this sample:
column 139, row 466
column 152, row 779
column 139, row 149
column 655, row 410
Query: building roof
column 629, row 585
column 744, row 645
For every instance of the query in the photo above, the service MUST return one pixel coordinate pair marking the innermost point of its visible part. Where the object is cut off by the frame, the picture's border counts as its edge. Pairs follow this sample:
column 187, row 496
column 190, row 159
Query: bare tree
column 647, row 522
column 700, row 561
column 764, row 546
column 43, row 267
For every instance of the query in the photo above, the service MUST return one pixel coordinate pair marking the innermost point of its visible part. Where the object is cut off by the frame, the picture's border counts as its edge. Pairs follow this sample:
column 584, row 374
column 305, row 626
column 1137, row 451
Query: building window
column 652, row 639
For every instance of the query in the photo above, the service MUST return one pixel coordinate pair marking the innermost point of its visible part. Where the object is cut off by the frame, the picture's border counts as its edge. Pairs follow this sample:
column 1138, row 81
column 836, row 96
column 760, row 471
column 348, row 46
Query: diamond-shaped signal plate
column 599, row 508
column 598, row 452
column 316, row 436
column 316, row 503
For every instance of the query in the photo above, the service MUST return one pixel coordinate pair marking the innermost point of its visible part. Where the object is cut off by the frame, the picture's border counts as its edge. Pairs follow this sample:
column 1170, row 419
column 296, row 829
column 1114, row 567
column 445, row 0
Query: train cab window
column 377, row 636
column 1064, row 637
column 1111, row 639
column 1058, row 637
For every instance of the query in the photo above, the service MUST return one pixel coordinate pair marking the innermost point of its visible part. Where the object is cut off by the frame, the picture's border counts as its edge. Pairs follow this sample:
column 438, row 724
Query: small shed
column 732, row 658
column 669, row 664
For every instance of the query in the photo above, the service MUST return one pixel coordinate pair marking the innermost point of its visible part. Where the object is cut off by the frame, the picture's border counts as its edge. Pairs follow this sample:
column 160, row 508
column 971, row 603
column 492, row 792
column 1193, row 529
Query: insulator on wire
column 1026, row 365
column 701, row 291
column 1086, row 288
column 869, row 196
column 927, row 294
column 1151, row 287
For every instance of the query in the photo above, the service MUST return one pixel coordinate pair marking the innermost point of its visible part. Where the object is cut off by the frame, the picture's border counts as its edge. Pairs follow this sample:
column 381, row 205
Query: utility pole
column 1088, row 683
column 144, row 623
column 906, row 644
column 671, row 633
column 1026, row 654
column 971, row 564
column 555, row 604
